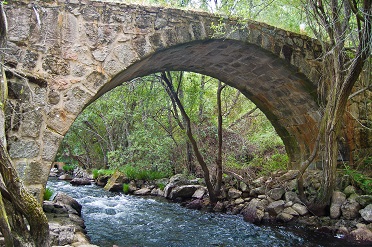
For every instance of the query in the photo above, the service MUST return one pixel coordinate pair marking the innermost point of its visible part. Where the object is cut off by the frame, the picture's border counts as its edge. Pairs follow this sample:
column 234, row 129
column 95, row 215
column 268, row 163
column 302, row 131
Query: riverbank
column 265, row 200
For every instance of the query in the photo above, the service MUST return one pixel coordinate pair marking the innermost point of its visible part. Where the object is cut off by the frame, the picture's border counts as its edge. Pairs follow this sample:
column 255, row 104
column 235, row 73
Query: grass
column 48, row 194
column 361, row 180
column 68, row 168
column 135, row 173
column 102, row 172
column 126, row 188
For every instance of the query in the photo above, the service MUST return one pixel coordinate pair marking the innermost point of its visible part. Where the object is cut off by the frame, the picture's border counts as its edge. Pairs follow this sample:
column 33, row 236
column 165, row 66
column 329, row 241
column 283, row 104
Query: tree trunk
column 219, row 152
column 199, row 156
column 24, row 202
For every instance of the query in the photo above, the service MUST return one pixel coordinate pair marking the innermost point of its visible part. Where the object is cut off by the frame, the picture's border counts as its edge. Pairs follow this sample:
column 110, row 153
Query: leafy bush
column 271, row 163
column 68, row 168
column 135, row 173
column 48, row 194
column 102, row 172
column 364, row 182
column 126, row 188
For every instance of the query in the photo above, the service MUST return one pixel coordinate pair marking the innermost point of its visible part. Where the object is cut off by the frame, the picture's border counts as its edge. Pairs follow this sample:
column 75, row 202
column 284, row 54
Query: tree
column 213, row 190
column 16, row 202
column 344, row 27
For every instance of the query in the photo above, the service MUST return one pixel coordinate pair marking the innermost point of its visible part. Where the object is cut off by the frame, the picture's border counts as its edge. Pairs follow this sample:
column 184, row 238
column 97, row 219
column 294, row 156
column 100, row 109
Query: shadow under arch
column 285, row 96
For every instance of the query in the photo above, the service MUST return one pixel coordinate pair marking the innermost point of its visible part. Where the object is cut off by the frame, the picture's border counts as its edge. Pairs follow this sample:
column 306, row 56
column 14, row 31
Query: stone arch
column 82, row 49
column 284, row 95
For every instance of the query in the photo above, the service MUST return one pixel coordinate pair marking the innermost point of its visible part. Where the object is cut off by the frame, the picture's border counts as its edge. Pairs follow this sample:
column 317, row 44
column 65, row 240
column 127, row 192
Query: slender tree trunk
column 199, row 156
column 219, row 153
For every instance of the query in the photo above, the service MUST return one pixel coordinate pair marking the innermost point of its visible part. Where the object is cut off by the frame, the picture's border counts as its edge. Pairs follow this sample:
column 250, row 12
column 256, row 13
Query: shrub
column 68, row 168
column 48, row 194
column 135, row 173
column 126, row 188
column 363, row 182
column 102, row 172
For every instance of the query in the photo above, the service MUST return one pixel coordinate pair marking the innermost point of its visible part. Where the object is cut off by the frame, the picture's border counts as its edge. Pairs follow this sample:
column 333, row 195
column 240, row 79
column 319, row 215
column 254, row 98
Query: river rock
column 64, row 199
column 349, row 190
column 366, row 213
column 364, row 200
column 284, row 217
column 291, row 174
column 176, row 180
column 244, row 187
column 338, row 198
column 290, row 211
column 142, row 192
column 219, row 207
column 291, row 196
column 276, row 207
column 195, row 204
column 234, row 193
column 350, row 209
column 65, row 177
column 184, row 191
column 80, row 181
column 254, row 211
column 300, row 209
column 276, row 193
column 157, row 192
column 199, row 193
column 362, row 233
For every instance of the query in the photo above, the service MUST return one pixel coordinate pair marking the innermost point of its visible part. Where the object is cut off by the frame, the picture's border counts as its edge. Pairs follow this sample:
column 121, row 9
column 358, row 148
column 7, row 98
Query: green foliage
column 68, row 168
column 48, row 194
column 361, row 180
column 135, row 173
column 270, row 163
column 102, row 172
column 126, row 188
column 161, row 186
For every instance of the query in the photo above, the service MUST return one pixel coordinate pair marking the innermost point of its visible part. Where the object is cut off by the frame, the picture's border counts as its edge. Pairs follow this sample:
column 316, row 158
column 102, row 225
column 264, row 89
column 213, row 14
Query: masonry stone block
column 23, row 148
column 50, row 145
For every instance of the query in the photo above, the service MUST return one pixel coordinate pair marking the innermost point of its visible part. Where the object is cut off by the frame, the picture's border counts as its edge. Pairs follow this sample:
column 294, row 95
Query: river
column 123, row 220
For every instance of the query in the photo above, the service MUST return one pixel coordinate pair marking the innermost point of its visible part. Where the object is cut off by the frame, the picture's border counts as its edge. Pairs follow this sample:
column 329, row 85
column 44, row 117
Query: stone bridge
column 62, row 55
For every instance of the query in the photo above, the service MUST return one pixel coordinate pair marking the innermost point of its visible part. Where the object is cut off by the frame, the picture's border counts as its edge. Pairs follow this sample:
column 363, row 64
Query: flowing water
column 122, row 220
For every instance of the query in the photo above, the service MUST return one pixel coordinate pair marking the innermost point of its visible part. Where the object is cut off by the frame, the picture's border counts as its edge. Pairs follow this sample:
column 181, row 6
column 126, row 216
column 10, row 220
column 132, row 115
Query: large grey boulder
column 69, row 202
column 300, row 209
column 254, row 211
column 183, row 191
column 366, row 213
column 80, row 181
column 350, row 209
column 338, row 198
column 234, row 193
column 176, row 180
column 275, row 208
column 276, row 193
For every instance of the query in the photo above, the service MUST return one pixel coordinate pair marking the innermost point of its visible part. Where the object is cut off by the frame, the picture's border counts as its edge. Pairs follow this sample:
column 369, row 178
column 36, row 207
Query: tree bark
column 24, row 202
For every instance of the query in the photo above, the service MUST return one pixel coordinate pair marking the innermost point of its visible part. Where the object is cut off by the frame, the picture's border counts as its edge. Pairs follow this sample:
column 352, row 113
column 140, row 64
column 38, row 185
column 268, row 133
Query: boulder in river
column 80, row 181
column 254, row 211
column 65, row 177
column 64, row 199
